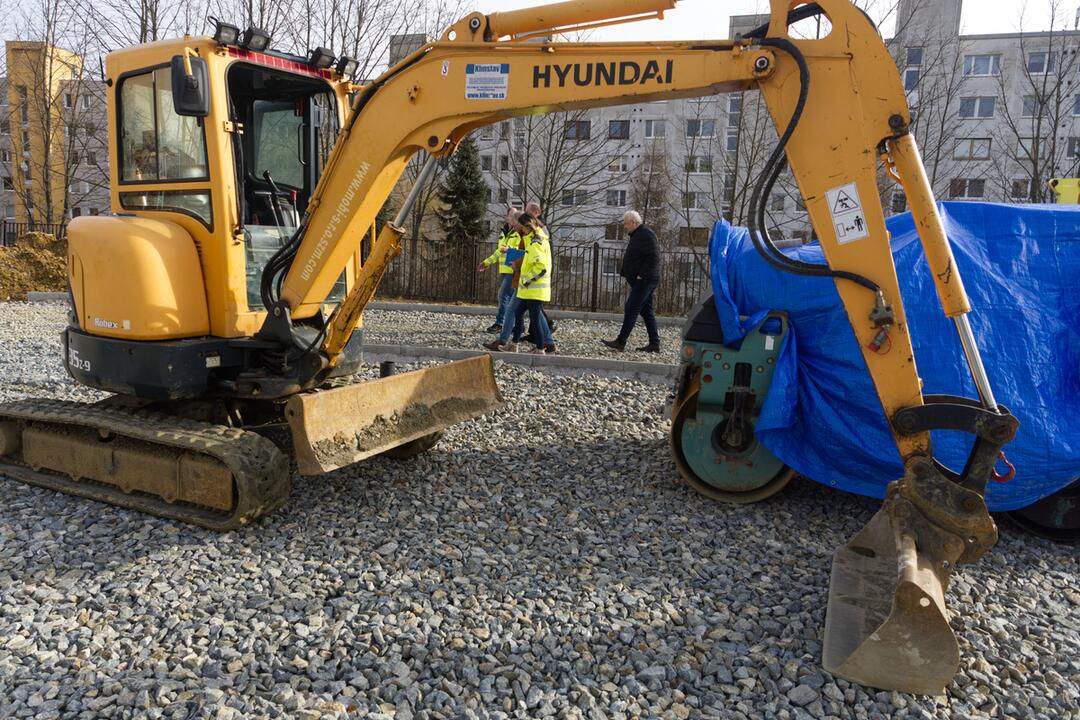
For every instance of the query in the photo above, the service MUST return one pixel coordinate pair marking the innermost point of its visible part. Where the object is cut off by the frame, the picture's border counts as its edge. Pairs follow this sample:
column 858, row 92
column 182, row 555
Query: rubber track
column 260, row 470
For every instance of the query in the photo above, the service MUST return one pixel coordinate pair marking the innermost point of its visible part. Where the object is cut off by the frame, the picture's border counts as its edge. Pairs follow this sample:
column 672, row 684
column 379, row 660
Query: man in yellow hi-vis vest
column 508, row 239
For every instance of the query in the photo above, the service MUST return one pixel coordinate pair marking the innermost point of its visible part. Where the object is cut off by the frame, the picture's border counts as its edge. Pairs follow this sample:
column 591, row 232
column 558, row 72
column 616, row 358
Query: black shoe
column 495, row 328
column 651, row 347
column 494, row 346
column 615, row 344
column 549, row 349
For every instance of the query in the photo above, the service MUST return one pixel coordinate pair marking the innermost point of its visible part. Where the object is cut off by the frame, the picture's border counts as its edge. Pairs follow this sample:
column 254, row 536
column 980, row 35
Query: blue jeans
column 537, row 321
column 515, row 310
column 506, row 294
column 639, row 302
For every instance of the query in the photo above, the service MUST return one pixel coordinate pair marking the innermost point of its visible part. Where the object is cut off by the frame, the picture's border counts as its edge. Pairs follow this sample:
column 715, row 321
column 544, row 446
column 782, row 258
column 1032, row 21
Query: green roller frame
column 718, row 400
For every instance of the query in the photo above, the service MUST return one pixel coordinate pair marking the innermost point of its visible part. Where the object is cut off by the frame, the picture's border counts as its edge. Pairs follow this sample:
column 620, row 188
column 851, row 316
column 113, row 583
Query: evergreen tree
column 465, row 194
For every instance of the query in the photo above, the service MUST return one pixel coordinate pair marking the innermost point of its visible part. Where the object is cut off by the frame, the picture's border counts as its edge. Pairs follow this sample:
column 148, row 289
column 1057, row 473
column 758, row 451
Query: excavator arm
column 843, row 123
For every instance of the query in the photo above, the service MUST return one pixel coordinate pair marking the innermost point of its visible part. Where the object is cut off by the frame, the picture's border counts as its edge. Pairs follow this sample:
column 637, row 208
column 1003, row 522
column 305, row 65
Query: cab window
column 156, row 144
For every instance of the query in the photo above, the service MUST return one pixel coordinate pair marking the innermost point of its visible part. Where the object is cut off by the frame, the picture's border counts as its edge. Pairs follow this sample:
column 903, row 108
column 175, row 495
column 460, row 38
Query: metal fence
column 12, row 231
column 585, row 276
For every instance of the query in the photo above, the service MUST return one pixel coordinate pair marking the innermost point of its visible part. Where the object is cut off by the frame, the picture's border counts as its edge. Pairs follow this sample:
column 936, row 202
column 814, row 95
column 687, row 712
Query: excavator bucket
column 886, row 625
column 337, row 427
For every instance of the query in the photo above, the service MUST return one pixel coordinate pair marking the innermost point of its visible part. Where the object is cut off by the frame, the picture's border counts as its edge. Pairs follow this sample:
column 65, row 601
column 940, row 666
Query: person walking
column 533, row 208
column 507, row 238
column 641, row 268
column 533, row 290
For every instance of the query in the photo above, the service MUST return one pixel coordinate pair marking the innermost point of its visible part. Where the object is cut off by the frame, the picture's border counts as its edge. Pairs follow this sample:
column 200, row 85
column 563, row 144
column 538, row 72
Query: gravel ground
column 541, row 562
column 572, row 337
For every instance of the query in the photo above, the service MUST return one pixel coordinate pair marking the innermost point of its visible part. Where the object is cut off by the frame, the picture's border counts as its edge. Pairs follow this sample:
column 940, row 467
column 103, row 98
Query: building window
column 504, row 162
column 76, row 212
column 487, row 132
column 977, row 107
column 577, row 129
column 1020, row 189
column 24, row 105
column 68, row 102
column 694, row 200
column 731, row 140
column 1074, row 147
column 698, row 164
column 1076, row 105
column 967, row 189
column 734, row 109
column 694, row 236
column 654, row 128
column 504, row 129
column 5, row 156
column 26, row 142
column 5, row 125
column 700, row 128
column 91, row 157
column 1027, row 148
column 94, row 210
column 614, row 231
column 1028, row 110
column 619, row 164
column 914, row 56
column 1041, row 63
column 911, row 78
column 504, row 195
column 972, row 149
column 618, row 129
column 982, row 65
column 611, row 266
column 574, row 197
column 899, row 202
column 778, row 203
column 8, row 184
column 485, row 162
column 85, row 102
column 616, row 198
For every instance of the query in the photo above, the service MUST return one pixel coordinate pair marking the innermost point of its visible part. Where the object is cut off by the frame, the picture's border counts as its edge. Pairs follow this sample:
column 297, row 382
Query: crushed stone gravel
column 543, row 561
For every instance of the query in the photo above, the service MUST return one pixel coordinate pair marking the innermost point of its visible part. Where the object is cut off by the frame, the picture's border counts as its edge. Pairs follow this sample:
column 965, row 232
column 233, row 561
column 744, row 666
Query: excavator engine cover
column 342, row 425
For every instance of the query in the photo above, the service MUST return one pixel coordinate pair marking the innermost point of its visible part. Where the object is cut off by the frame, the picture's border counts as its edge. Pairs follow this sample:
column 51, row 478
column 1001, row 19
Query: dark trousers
column 538, row 321
column 531, row 335
column 639, row 302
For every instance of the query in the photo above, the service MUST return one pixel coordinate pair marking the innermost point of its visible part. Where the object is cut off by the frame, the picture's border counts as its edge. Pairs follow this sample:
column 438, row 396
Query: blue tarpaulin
column 1021, row 268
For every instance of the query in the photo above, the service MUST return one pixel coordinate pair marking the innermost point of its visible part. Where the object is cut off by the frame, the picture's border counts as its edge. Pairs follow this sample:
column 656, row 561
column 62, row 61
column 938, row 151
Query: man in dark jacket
column 641, row 268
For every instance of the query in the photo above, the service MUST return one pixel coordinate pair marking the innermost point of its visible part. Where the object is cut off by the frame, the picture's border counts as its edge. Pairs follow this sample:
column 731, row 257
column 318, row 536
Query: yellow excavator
column 223, row 297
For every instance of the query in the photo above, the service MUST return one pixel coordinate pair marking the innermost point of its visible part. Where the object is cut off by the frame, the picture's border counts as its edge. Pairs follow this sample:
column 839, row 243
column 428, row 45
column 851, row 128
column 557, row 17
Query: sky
column 705, row 19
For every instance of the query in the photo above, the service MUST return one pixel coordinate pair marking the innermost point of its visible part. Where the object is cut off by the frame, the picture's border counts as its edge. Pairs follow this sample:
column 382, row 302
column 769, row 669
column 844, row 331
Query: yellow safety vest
column 535, row 283
column 507, row 241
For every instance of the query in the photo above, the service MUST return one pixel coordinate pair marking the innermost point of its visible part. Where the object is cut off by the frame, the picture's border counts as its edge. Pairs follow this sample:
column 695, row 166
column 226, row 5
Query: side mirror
column 190, row 93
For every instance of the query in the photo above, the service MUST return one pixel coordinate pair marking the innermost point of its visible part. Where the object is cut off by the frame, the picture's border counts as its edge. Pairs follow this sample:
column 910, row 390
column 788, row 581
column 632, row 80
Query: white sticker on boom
column 770, row 343
column 486, row 82
column 847, row 213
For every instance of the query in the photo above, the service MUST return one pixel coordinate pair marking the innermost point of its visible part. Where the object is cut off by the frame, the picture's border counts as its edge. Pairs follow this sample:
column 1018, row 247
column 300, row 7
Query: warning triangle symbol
column 844, row 203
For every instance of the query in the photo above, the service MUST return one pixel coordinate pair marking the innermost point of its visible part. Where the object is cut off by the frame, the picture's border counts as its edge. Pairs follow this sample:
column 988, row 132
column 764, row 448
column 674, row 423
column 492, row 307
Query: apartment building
column 996, row 115
column 53, row 137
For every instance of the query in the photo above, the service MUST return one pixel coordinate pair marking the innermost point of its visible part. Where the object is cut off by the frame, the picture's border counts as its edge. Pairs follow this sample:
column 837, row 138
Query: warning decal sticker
column 847, row 213
column 486, row 82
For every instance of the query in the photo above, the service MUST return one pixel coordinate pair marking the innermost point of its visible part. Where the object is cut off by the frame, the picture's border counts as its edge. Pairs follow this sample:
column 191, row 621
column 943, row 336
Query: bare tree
column 650, row 192
column 1032, row 132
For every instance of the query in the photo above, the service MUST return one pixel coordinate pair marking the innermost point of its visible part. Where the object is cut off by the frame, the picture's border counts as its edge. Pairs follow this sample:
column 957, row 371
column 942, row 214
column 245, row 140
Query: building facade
column 996, row 117
column 53, row 137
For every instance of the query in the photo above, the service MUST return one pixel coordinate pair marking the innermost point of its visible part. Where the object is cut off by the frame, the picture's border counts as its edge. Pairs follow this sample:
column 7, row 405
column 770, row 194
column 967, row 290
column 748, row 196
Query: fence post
column 595, row 276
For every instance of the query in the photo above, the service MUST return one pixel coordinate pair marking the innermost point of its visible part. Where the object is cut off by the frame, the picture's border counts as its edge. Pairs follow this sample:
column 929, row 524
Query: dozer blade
column 886, row 625
column 337, row 427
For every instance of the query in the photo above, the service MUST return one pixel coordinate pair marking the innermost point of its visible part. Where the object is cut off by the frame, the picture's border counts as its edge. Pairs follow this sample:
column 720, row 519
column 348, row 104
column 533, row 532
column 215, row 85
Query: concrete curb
column 46, row 296
column 623, row 368
column 490, row 310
